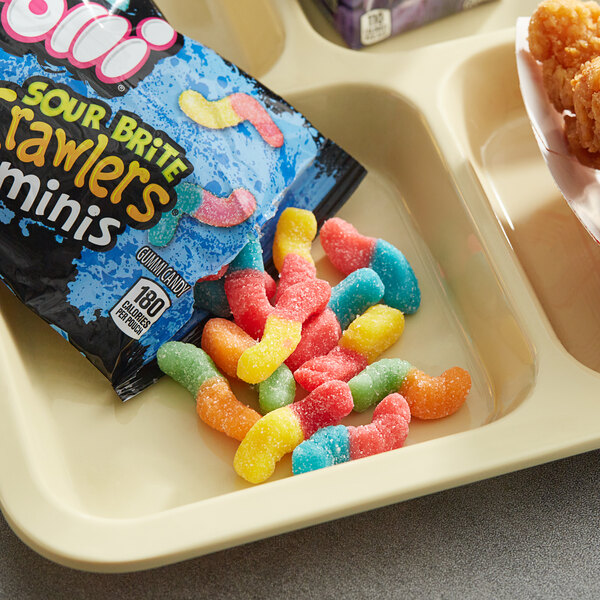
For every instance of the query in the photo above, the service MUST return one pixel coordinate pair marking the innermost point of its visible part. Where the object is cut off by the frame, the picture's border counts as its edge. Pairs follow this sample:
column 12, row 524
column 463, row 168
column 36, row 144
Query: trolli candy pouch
column 133, row 162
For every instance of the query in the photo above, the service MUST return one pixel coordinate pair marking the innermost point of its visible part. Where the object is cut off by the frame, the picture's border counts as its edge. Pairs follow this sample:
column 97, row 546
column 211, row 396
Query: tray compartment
column 152, row 454
column 560, row 259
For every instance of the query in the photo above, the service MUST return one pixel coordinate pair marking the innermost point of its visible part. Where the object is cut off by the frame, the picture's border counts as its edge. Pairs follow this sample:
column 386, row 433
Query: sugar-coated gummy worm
column 350, row 298
column 364, row 340
column 283, row 329
column 428, row 397
column 348, row 250
column 209, row 294
column 280, row 431
column 246, row 290
column 295, row 232
column 229, row 112
column 202, row 205
column 338, row 444
column 225, row 342
column 216, row 404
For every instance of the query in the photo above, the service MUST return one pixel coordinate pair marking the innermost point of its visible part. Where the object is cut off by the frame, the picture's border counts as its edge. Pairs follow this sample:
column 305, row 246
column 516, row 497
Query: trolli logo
column 94, row 42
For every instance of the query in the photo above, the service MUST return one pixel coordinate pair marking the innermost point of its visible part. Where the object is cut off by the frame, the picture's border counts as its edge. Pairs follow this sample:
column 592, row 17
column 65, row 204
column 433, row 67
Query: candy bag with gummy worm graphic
column 133, row 162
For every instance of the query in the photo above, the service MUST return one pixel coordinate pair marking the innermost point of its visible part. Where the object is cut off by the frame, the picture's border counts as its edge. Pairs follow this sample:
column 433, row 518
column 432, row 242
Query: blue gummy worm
column 328, row 446
column 401, row 286
column 353, row 295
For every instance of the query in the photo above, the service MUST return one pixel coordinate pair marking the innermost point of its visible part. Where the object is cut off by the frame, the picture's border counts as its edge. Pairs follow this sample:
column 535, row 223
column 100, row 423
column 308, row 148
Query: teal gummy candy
column 328, row 446
column 189, row 198
column 378, row 380
column 401, row 285
column 277, row 390
column 210, row 295
column 186, row 364
column 250, row 257
column 355, row 294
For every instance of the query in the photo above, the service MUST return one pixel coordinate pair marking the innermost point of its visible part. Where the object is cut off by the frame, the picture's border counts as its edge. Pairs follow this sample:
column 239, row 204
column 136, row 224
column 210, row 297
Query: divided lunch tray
column 509, row 278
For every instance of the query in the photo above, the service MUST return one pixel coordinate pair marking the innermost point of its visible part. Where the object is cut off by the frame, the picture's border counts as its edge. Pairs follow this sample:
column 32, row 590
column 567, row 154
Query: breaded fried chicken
column 586, row 99
column 564, row 34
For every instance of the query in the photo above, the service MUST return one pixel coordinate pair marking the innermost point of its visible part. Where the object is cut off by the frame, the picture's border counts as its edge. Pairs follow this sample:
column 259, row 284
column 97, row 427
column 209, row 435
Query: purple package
column 365, row 22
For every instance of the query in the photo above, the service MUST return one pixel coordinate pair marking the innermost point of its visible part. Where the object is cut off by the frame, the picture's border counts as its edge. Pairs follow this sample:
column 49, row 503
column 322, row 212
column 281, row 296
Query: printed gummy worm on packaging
column 133, row 162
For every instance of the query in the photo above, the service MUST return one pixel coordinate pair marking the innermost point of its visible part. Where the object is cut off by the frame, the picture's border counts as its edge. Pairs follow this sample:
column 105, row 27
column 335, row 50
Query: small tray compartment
column 561, row 260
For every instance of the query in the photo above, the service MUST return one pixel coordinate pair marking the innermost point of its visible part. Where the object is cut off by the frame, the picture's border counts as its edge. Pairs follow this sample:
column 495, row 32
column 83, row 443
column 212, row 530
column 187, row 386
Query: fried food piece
column 564, row 34
column 585, row 157
column 586, row 100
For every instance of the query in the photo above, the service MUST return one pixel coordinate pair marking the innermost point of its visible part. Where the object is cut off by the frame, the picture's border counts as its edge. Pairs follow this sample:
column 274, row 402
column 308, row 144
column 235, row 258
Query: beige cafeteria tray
column 510, row 283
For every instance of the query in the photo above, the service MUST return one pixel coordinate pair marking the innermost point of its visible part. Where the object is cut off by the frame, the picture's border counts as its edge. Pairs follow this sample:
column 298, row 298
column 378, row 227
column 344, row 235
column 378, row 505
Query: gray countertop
column 529, row 534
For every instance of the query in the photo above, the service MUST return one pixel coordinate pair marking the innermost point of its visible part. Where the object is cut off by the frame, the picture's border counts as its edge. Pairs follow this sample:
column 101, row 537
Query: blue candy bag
column 133, row 162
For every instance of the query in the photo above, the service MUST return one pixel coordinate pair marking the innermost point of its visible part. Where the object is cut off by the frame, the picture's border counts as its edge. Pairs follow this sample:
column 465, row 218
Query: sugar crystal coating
column 216, row 404
column 186, row 364
column 400, row 282
column 355, row 294
column 339, row 364
column 349, row 250
column 436, row 397
column 328, row 446
column 280, row 338
column 337, row 444
column 247, row 297
column 280, row 431
column 225, row 342
column 218, row 407
column 373, row 332
column 326, row 405
column 378, row 380
column 296, row 229
column 345, row 247
column 296, row 269
column 320, row 334
column 277, row 390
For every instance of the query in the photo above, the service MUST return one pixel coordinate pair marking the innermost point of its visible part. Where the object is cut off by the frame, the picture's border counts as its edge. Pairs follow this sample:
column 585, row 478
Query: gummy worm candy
column 245, row 289
column 348, row 250
column 296, row 229
column 338, row 444
column 283, row 329
column 428, row 397
column 350, row 298
column 216, row 404
column 370, row 334
column 205, row 207
column 280, row 431
column 209, row 294
column 225, row 342
column 356, row 293
column 229, row 112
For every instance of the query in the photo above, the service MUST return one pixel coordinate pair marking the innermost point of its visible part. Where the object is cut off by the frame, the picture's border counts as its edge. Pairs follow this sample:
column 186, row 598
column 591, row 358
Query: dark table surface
column 529, row 534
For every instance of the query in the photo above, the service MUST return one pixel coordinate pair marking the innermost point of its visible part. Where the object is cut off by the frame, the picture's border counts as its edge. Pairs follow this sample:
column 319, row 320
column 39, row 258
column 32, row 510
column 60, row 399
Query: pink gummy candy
column 225, row 212
column 326, row 405
column 303, row 300
column 248, row 300
column 347, row 249
column 340, row 364
column 387, row 431
column 320, row 334
column 295, row 269
column 249, row 109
